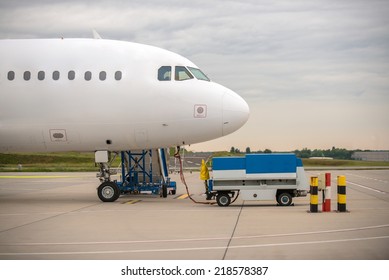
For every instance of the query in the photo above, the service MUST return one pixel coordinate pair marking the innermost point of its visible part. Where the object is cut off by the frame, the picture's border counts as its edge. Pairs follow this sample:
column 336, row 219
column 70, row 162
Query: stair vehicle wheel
column 284, row 199
column 108, row 192
column 223, row 199
column 164, row 191
column 173, row 192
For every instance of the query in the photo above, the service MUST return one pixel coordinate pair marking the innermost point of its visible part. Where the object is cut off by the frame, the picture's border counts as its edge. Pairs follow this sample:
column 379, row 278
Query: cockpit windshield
column 198, row 74
column 181, row 73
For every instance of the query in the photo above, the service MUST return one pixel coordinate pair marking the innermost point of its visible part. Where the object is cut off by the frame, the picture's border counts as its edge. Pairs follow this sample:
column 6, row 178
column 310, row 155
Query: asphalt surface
column 59, row 216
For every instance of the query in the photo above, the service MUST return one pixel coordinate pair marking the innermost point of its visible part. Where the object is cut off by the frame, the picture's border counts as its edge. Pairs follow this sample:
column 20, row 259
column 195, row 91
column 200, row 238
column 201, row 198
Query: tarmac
column 59, row 216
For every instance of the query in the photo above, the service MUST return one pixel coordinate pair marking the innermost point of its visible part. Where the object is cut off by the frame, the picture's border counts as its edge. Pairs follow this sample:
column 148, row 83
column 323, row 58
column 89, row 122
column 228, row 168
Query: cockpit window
column 198, row 74
column 182, row 74
column 165, row 73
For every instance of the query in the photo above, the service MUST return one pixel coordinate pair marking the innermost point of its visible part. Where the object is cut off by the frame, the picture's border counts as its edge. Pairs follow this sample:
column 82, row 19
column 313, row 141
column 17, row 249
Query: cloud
column 278, row 54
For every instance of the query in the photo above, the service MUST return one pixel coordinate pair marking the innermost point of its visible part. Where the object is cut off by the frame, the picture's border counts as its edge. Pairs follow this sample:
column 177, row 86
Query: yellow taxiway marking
column 183, row 196
column 34, row 176
column 131, row 201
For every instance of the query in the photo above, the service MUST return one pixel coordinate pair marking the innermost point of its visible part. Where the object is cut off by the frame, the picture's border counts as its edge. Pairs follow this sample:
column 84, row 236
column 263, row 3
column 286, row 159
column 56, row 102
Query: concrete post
column 314, row 201
column 326, row 207
column 342, row 194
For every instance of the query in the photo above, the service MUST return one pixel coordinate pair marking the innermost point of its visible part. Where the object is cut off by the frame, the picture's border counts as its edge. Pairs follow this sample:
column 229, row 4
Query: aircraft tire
column 284, row 199
column 223, row 199
column 108, row 192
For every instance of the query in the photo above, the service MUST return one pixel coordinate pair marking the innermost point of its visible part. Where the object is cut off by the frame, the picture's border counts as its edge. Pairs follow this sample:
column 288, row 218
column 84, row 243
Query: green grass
column 325, row 162
column 46, row 158
column 83, row 162
column 343, row 163
column 50, row 162
column 227, row 154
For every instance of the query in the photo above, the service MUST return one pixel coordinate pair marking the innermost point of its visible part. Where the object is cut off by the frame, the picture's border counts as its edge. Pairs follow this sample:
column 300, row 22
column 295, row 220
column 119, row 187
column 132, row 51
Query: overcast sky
column 314, row 73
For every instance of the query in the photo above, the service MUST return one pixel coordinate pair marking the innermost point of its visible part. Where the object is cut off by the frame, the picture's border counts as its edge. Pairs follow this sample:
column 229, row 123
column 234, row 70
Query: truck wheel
column 108, row 192
column 284, row 199
column 223, row 199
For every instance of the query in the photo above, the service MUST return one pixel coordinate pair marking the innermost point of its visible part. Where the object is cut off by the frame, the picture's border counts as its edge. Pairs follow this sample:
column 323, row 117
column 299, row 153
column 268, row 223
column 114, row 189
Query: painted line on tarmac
column 35, row 176
column 367, row 188
column 195, row 239
column 31, row 213
column 199, row 248
column 368, row 178
column 113, row 211
column 183, row 196
column 132, row 201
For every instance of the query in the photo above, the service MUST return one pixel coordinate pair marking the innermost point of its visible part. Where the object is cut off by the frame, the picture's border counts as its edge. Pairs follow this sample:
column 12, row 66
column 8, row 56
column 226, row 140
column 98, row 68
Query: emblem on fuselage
column 200, row 111
column 58, row 135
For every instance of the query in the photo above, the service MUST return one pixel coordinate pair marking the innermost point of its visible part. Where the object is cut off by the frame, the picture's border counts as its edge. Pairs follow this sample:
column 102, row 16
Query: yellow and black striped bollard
column 314, row 195
column 342, row 194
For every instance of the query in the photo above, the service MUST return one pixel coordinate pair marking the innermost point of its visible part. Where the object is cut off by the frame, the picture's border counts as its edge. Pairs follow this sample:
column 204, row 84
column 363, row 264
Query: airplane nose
column 235, row 112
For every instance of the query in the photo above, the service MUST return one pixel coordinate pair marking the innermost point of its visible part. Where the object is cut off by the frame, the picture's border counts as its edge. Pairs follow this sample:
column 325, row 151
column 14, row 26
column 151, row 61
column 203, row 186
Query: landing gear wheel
column 164, row 191
column 108, row 192
column 223, row 199
column 284, row 199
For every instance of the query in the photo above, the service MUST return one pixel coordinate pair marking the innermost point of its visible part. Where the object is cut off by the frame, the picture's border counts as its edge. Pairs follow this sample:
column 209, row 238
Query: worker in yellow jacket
column 204, row 175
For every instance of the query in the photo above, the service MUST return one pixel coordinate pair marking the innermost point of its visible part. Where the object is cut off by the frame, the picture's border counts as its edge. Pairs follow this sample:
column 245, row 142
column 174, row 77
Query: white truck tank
column 258, row 177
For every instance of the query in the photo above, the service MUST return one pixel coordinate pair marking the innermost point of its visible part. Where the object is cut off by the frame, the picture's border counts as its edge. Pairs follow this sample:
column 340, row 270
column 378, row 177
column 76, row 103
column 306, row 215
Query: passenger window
column 88, row 75
column 41, row 75
column 118, row 75
column 182, row 74
column 165, row 73
column 56, row 75
column 102, row 76
column 71, row 75
column 27, row 75
column 11, row 75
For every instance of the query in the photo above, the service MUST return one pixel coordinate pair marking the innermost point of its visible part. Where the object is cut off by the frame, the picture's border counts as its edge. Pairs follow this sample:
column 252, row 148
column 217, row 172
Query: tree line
column 234, row 150
column 337, row 153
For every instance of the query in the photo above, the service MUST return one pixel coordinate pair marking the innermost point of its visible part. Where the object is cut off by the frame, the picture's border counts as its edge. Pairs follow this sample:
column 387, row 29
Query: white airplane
column 106, row 95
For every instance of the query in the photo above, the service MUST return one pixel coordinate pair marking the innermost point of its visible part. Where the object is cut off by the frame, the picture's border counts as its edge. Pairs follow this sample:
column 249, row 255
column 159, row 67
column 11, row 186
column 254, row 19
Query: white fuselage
column 92, row 94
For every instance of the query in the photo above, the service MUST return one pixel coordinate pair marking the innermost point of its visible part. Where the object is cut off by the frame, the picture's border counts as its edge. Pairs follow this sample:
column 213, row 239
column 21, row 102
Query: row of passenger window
column 181, row 73
column 71, row 75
